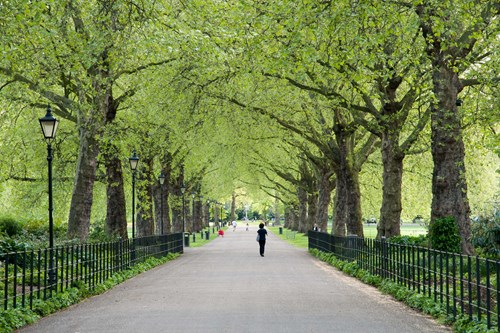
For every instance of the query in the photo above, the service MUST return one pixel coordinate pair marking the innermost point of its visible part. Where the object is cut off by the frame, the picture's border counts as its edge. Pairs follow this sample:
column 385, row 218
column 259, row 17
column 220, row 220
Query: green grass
column 410, row 229
column 200, row 241
column 298, row 239
column 370, row 231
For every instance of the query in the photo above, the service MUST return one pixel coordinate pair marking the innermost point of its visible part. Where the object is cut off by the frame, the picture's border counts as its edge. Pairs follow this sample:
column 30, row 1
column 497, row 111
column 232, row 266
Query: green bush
column 444, row 235
column 485, row 231
column 421, row 240
column 10, row 226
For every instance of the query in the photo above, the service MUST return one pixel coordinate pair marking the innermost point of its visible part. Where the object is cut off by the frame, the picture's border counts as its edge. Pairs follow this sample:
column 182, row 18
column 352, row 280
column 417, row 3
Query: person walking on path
column 262, row 238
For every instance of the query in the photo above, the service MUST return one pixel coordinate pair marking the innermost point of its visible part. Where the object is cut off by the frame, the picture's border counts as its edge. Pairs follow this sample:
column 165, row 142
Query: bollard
column 194, row 237
column 281, row 230
column 207, row 234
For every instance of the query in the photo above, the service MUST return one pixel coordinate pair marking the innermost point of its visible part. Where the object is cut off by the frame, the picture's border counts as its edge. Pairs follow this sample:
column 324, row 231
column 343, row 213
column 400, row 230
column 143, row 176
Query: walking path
column 226, row 286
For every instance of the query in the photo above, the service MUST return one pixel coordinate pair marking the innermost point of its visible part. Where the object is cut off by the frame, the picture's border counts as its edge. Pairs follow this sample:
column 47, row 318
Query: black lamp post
column 134, row 160
column 49, row 128
column 161, row 178
column 183, row 189
column 192, row 227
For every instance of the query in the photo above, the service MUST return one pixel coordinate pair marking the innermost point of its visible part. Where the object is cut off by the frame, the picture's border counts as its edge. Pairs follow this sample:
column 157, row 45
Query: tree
column 454, row 38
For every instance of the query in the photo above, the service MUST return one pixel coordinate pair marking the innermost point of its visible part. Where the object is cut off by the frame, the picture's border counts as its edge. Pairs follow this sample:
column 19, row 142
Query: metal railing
column 465, row 285
column 25, row 277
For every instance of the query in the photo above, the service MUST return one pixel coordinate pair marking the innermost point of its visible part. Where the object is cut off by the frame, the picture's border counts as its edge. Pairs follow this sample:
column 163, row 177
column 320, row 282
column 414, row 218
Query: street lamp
column 192, row 196
column 161, row 178
column 183, row 189
column 134, row 160
column 49, row 128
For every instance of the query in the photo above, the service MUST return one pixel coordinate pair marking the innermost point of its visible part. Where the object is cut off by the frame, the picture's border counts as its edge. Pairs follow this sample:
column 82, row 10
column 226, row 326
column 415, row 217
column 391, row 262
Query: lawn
column 370, row 231
column 407, row 229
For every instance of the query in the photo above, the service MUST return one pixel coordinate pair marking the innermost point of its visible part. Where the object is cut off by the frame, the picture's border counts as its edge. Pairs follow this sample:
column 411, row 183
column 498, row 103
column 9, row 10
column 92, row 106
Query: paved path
column 225, row 286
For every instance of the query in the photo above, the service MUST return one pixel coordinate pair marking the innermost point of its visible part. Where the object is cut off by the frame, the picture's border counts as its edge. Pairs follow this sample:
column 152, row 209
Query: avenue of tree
column 302, row 106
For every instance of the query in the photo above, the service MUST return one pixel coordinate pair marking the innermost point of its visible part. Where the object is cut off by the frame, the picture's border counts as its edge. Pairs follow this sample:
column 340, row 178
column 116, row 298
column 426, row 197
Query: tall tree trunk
column 312, row 212
column 145, row 222
column 302, row 214
column 390, row 211
column 233, row 206
column 348, row 195
column 449, row 185
column 216, row 214
column 116, row 220
column 198, row 207
column 83, row 188
column 277, row 216
column 325, row 187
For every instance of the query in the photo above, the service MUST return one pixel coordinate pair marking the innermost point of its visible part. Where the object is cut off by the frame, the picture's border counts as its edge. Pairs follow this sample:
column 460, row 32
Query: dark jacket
column 262, row 233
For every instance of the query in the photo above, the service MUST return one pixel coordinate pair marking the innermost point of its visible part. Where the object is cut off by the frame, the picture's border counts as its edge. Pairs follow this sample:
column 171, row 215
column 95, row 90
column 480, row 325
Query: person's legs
column 262, row 244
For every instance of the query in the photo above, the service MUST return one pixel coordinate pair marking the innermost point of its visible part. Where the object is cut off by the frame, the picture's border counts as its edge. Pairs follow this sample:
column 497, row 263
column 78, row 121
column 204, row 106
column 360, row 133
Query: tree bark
column 116, row 219
column 390, row 211
column 145, row 222
column 348, row 194
column 449, row 185
column 277, row 216
column 312, row 212
column 325, row 187
column 233, row 206
column 83, row 188
column 302, row 210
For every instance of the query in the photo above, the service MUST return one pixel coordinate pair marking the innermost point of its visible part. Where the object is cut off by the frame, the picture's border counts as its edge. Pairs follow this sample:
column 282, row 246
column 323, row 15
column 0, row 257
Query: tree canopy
column 341, row 109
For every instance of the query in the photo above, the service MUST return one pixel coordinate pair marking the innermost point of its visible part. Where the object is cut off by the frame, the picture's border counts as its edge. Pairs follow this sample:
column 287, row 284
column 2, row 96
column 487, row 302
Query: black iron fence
column 36, row 275
column 465, row 285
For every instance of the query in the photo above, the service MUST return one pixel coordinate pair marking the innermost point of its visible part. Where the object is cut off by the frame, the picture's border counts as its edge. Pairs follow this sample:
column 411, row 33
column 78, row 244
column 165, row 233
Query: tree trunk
column 216, row 215
column 144, row 220
column 277, row 216
column 390, row 212
column 83, row 188
column 198, row 206
column 233, row 207
column 116, row 219
column 348, row 195
column 325, row 188
column 312, row 212
column 449, row 185
column 302, row 215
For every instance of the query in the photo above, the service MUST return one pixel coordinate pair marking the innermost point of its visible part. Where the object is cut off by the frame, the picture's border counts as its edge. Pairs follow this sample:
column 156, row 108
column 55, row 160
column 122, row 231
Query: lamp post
column 183, row 189
column 134, row 160
column 192, row 226
column 161, row 178
column 49, row 128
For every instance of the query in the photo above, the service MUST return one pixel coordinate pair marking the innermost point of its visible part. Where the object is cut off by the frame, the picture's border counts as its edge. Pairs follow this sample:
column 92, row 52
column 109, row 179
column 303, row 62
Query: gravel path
column 225, row 286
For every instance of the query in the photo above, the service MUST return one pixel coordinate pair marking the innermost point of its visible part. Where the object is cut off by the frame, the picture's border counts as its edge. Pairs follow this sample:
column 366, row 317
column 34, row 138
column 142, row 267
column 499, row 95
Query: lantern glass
column 134, row 160
column 49, row 124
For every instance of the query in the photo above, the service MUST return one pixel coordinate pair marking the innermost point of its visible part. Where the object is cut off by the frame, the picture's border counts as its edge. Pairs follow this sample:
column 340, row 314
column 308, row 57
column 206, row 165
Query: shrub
column 485, row 231
column 10, row 226
column 444, row 236
column 420, row 240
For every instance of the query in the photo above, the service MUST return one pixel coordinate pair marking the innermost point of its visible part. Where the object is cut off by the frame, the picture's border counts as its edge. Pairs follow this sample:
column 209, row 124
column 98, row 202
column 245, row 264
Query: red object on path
column 221, row 232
